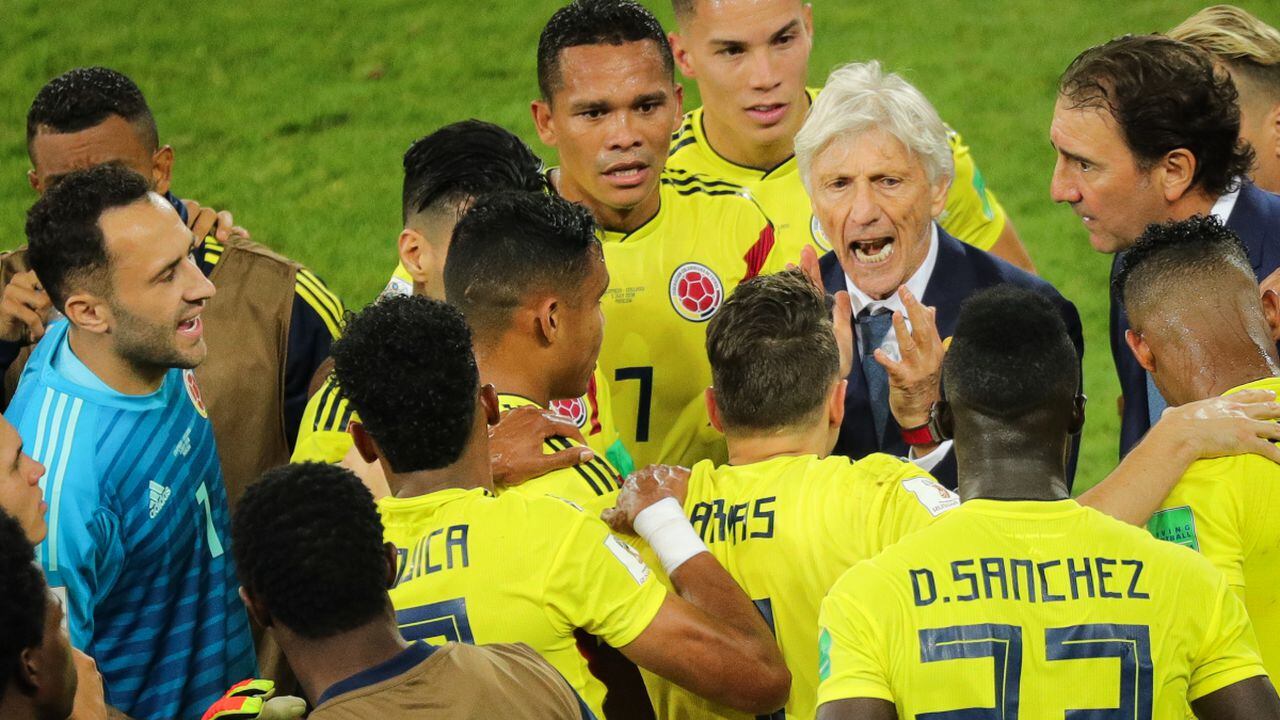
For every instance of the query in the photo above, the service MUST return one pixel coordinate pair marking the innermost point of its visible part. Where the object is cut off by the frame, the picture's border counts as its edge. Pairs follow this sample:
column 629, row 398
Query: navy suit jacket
column 961, row 270
column 1256, row 219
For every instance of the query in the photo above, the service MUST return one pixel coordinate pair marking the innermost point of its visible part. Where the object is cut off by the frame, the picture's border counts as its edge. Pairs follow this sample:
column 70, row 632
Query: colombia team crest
column 696, row 292
column 193, row 392
column 575, row 410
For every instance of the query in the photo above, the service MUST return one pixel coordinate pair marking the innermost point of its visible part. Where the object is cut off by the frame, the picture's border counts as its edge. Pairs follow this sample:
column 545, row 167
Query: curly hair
column 23, row 602
column 84, row 97
column 405, row 364
column 308, row 545
column 1171, row 255
column 773, row 352
column 465, row 160
column 66, row 246
column 596, row 22
column 1010, row 355
column 1165, row 95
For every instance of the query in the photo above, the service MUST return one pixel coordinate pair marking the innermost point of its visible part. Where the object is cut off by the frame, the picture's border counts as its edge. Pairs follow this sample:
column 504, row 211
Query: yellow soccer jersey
column 667, row 279
column 593, row 484
column 786, row 529
column 1034, row 610
column 1229, row 510
column 478, row 569
column 972, row 213
column 322, row 436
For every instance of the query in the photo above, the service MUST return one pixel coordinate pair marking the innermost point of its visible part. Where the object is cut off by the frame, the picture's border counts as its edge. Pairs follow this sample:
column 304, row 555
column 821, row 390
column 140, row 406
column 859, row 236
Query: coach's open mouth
column 873, row 250
column 627, row 174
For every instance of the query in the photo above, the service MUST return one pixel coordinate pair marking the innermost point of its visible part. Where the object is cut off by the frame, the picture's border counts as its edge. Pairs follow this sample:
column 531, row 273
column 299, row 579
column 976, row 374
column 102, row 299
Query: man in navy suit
column 873, row 155
column 1146, row 131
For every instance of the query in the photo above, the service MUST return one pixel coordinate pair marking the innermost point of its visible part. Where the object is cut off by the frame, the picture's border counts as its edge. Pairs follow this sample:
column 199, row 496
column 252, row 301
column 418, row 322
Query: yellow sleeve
column 321, row 299
column 1229, row 652
column 852, row 656
column 599, row 583
column 909, row 498
column 322, row 436
column 972, row 214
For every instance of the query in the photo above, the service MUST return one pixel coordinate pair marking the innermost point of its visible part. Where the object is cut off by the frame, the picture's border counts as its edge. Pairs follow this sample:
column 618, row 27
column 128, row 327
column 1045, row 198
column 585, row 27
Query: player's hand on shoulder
column 1234, row 424
column 915, row 378
column 255, row 699
column 644, row 488
column 90, row 702
column 205, row 222
column 25, row 309
column 515, row 445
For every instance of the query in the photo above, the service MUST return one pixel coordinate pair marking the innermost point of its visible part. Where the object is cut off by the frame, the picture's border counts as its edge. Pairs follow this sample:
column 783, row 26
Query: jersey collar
column 1267, row 383
column 398, row 665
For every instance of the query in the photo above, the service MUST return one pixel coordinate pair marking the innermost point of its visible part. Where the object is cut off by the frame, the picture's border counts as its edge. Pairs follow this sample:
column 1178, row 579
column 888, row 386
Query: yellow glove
column 255, row 700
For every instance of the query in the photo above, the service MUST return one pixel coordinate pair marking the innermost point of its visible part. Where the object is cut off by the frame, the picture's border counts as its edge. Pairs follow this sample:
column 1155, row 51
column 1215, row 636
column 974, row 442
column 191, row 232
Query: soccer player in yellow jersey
column 1022, row 603
column 675, row 245
column 526, row 271
column 522, row 568
column 750, row 59
column 1202, row 329
column 782, row 517
column 443, row 173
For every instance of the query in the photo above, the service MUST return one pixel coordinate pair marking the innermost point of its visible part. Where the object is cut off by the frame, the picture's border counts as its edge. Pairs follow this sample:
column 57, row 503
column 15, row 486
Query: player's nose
column 1061, row 187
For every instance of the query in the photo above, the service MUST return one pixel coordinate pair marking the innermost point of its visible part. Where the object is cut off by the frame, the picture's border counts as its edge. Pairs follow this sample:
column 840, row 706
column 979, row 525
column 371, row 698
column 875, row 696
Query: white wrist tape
column 666, row 529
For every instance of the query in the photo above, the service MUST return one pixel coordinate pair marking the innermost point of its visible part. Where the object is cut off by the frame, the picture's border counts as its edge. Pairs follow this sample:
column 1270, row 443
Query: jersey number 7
column 1131, row 644
column 645, row 376
column 445, row 619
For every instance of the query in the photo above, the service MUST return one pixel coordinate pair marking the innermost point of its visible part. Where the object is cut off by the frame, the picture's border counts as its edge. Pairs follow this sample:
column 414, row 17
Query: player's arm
column 315, row 323
column 710, row 639
column 1009, row 247
column 1233, row 425
column 858, row 709
column 1251, row 699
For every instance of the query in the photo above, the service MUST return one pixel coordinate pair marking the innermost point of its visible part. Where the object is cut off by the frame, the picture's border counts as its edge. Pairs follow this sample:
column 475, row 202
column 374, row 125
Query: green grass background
column 294, row 115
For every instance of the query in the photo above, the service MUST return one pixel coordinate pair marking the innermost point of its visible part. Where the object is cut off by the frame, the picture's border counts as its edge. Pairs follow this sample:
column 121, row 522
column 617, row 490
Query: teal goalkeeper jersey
column 138, row 532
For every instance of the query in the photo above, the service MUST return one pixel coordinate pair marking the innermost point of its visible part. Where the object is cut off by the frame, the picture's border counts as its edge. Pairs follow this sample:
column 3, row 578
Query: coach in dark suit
column 874, row 156
column 1146, row 131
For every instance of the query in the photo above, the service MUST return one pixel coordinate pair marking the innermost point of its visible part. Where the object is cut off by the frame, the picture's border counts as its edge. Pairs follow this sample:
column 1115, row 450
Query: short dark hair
column 510, row 245
column 596, row 22
column 405, row 364
column 1010, row 355
column 308, row 546
column 66, row 246
column 684, row 9
column 23, row 602
column 1164, row 95
column 462, row 161
column 1172, row 254
column 773, row 352
column 84, row 97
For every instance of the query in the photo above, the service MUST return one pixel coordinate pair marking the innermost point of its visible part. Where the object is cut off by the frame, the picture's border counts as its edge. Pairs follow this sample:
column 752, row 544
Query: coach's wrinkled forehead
column 596, row 22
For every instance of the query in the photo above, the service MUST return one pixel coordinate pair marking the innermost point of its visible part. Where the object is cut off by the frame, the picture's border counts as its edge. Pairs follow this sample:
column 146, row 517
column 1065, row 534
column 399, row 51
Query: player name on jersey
column 1046, row 581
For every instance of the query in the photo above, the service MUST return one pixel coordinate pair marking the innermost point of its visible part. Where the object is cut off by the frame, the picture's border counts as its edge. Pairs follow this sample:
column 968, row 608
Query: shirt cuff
column 932, row 458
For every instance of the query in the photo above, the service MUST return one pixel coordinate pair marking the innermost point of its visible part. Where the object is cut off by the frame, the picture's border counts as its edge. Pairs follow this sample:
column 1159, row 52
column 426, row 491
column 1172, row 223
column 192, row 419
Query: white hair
column 859, row 97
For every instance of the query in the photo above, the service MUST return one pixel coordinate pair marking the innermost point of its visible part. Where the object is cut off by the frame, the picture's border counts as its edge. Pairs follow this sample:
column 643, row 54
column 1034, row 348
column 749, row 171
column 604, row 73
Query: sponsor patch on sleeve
column 1175, row 525
column 629, row 558
column 935, row 498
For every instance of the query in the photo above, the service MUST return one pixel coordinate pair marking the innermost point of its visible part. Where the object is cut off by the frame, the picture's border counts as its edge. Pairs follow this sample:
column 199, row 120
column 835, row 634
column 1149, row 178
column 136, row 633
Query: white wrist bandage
column 666, row 529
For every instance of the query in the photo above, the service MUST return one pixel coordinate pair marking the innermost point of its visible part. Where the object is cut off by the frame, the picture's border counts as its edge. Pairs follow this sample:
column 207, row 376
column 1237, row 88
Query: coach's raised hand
column 915, row 377
column 25, row 309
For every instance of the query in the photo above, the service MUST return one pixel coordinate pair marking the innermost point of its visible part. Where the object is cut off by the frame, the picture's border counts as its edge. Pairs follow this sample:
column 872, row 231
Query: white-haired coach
column 874, row 157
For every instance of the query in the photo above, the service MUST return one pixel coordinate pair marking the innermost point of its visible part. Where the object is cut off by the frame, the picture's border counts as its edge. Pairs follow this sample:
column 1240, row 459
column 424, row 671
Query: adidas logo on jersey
column 159, row 496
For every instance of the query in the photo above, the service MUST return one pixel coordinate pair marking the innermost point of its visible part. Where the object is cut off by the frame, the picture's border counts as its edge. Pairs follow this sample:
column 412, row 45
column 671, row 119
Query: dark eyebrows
column 789, row 27
column 651, row 98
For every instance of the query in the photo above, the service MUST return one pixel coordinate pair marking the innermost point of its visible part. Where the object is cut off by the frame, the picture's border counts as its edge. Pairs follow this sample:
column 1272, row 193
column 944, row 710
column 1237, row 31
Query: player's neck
column 619, row 220
column 727, row 142
column 126, row 378
column 745, row 449
column 321, row 663
column 473, row 470
column 996, row 463
column 514, row 372
column 16, row 705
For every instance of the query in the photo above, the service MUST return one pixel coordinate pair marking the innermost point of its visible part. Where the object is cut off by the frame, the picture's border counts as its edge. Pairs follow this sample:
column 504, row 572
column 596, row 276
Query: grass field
column 294, row 115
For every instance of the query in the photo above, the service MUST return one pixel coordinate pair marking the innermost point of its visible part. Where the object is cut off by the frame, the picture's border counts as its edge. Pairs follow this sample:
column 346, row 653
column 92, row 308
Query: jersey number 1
column 215, row 545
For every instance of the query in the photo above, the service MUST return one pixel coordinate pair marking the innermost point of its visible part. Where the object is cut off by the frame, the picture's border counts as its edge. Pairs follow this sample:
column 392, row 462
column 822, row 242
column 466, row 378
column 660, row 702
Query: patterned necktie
column 872, row 327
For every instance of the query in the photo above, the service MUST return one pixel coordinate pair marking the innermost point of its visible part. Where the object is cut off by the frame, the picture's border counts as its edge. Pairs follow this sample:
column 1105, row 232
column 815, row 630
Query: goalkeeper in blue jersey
column 137, row 520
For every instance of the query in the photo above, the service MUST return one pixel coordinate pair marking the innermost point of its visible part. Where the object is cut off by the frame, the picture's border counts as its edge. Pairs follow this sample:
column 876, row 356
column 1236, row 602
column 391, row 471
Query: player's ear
column 549, row 318
column 835, row 403
column 34, row 181
column 393, row 563
column 1077, row 414
column 713, row 410
column 363, row 442
column 489, row 401
column 416, row 254
column 88, row 312
column 162, row 169
column 807, row 11
column 1271, row 311
column 28, row 675
column 943, row 418
column 679, row 98
column 1140, row 349
column 1176, row 173
column 257, row 612
column 542, row 121
column 681, row 54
